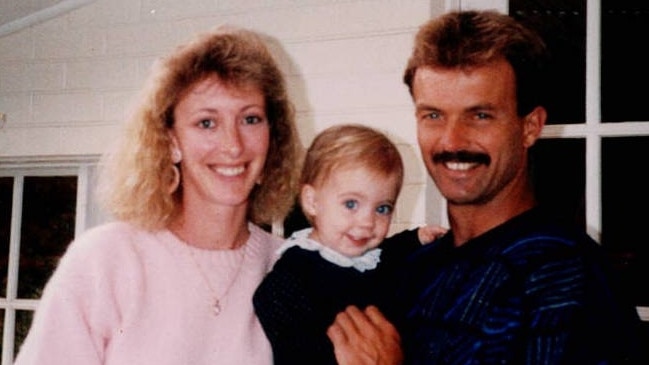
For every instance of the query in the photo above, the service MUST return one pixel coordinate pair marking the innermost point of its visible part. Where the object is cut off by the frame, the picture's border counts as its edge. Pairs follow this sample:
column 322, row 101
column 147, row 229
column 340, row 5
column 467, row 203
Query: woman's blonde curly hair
column 136, row 177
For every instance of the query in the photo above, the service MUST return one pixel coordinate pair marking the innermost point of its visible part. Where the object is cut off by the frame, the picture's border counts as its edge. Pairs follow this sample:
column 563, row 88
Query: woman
column 208, row 156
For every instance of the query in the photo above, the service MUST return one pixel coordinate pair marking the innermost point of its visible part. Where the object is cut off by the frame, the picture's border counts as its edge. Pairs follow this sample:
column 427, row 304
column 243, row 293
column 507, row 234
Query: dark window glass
column 6, row 194
column 559, row 175
column 23, row 322
column 49, row 208
column 624, row 198
column 562, row 24
column 625, row 26
column 295, row 221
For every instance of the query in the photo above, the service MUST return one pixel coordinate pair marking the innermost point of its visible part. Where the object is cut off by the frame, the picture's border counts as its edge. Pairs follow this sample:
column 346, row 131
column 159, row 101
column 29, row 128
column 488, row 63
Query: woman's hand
column 365, row 338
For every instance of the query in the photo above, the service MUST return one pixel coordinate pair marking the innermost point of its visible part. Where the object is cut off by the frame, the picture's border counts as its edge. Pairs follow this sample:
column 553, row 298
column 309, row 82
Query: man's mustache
column 462, row 156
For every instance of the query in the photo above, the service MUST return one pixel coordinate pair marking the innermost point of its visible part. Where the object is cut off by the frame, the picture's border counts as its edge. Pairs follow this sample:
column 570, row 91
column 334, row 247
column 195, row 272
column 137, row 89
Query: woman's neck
column 220, row 229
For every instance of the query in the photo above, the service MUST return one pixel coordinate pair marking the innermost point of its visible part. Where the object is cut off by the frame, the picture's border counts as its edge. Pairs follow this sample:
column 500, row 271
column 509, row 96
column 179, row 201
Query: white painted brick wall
column 66, row 83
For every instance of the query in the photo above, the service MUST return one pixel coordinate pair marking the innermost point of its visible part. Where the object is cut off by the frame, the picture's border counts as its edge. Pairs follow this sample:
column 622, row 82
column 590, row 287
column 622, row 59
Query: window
column 41, row 210
column 597, row 123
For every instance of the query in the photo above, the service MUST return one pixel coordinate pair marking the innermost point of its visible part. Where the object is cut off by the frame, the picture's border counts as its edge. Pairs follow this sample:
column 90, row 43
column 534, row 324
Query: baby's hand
column 428, row 233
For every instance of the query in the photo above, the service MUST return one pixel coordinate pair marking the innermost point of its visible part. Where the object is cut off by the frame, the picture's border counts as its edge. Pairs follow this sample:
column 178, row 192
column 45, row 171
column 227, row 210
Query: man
column 509, row 283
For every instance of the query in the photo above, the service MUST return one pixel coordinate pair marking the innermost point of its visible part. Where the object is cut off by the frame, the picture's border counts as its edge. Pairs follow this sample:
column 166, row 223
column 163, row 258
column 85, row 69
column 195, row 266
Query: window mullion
column 8, row 335
column 593, row 118
column 83, row 187
column 14, row 239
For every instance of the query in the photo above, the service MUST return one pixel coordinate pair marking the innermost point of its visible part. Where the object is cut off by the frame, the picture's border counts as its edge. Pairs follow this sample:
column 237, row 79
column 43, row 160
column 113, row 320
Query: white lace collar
column 367, row 261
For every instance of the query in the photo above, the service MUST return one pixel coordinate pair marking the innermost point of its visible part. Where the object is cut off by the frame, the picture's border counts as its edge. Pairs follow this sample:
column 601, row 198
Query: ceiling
column 19, row 14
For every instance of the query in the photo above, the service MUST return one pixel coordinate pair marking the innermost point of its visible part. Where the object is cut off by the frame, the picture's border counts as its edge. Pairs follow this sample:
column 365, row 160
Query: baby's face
column 352, row 209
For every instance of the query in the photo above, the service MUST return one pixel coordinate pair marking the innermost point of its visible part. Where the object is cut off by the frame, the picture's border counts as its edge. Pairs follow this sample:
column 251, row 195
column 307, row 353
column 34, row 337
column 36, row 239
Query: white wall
column 66, row 83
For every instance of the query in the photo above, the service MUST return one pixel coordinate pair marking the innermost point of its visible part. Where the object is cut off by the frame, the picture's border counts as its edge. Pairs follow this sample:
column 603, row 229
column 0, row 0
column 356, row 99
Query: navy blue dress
column 300, row 298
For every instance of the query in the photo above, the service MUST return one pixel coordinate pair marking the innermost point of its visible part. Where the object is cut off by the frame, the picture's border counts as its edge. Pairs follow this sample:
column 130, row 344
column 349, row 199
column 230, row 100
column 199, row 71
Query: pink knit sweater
column 121, row 295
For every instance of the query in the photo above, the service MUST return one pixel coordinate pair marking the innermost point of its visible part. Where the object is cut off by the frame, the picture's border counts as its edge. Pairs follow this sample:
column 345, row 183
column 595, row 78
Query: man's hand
column 365, row 338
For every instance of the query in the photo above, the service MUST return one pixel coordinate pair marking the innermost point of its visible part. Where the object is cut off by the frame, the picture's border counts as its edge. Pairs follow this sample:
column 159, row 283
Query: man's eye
column 483, row 116
column 385, row 209
column 351, row 204
column 432, row 115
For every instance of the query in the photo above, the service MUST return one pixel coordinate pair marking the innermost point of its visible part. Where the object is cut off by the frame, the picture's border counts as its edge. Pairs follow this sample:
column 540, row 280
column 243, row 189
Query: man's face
column 472, row 141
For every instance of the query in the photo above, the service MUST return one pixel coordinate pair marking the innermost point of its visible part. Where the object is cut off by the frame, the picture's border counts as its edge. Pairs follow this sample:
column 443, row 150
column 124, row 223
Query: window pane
column 562, row 24
column 23, row 322
column 6, row 193
column 559, row 175
column 49, row 208
column 295, row 221
column 624, row 65
column 624, row 191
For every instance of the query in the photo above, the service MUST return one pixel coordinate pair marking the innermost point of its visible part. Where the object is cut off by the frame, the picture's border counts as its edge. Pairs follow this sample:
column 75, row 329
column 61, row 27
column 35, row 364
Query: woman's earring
column 176, row 157
column 175, row 180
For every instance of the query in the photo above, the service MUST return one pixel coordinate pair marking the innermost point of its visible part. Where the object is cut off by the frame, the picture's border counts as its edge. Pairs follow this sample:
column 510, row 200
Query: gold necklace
column 215, row 305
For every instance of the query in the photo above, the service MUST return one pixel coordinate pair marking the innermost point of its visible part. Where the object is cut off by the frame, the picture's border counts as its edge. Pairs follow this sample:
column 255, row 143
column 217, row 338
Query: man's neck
column 470, row 221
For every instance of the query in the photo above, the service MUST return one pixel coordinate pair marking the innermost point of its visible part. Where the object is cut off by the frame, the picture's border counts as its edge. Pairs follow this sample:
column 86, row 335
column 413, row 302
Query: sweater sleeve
column 78, row 311
column 573, row 300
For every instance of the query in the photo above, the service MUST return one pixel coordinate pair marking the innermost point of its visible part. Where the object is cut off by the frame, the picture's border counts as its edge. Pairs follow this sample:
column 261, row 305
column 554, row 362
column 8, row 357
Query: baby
column 350, row 181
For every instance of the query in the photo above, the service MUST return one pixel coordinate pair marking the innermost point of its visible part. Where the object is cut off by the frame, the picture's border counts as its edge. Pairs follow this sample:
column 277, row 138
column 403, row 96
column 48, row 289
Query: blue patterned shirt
column 530, row 291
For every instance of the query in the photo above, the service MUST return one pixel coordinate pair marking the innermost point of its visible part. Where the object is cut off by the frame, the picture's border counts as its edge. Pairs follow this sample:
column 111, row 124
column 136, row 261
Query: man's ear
column 307, row 200
column 533, row 125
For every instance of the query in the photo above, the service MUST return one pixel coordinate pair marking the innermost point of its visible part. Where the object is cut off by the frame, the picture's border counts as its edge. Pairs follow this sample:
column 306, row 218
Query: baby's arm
column 429, row 233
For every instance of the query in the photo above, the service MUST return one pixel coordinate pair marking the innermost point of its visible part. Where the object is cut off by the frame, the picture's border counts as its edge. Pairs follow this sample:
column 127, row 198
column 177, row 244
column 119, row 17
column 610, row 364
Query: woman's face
column 223, row 134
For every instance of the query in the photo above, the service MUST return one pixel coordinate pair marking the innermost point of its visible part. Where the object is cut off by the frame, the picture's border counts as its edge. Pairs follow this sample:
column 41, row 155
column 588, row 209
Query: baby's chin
column 353, row 251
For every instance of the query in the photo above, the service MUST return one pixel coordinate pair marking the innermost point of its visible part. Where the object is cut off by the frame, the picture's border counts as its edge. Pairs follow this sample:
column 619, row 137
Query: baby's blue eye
column 206, row 123
column 384, row 209
column 351, row 204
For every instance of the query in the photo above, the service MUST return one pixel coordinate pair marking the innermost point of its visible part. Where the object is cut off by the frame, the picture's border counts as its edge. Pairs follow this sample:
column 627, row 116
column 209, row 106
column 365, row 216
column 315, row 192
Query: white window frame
column 592, row 130
column 87, row 214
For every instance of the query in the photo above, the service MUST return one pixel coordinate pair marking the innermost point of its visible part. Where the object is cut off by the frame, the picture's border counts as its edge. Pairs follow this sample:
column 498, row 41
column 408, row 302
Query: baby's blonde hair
column 349, row 145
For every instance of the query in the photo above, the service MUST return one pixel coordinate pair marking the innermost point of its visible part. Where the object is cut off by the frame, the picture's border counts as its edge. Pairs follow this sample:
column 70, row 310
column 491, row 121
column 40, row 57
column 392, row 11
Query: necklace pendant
column 216, row 307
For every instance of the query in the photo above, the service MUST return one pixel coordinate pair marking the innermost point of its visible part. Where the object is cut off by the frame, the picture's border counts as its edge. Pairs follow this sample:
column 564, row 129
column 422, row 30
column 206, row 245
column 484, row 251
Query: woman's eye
column 206, row 123
column 252, row 119
column 385, row 209
column 351, row 204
